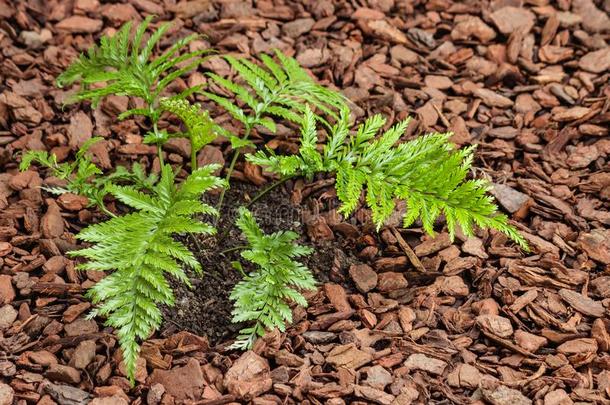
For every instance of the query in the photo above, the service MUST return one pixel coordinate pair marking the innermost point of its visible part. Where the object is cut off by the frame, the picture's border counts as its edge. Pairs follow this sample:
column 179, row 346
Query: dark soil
column 205, row 309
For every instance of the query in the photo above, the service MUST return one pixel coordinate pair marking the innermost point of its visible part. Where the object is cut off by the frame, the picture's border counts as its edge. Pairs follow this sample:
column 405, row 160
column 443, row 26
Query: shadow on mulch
column 205, row 309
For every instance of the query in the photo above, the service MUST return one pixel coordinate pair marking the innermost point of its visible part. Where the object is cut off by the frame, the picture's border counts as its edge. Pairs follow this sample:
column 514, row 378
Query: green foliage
column 263, row 296
column 428, row 173
column 200, row 128
column 84, row 178
column 122, row 65
column 308, row 161
column 82, row 175
column 81, row 166
column 139, row 247
column 274, row 89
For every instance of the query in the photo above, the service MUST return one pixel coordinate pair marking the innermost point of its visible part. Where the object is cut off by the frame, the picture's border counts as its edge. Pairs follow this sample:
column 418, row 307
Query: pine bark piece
column 596, row 61
column 374, row 395
column 510, row 19
column 7, row 292
column 8, row 315
column 408, row 251
column 182, row 382
column 433, row 245
column 596, row 244
column 384, row 30
column 348, row 356
column 498, row 394
column 79, row 24
column 363, row 276
column 578, row 346
column 495, row 324
column 337, row 296
column 52, row 224
column 420, row 361
column 249, row 376
column 65, row 394
column 582, row 304
column 493, row 99
column 469, row 27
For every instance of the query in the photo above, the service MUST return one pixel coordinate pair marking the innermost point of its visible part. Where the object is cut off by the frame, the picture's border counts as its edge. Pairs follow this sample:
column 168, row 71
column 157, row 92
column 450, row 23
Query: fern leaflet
column 273, row 90
column 124, row 66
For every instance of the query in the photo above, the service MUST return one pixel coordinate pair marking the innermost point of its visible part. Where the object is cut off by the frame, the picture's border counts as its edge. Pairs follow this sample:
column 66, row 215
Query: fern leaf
column 270, row 88
column 140, row 250
column 428, row 173
column 262, row 296
column 200, row 127
column 123, row 66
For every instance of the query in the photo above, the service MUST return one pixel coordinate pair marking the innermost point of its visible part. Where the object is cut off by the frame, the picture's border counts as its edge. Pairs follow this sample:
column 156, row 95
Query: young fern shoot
column 124, row 66
column 271, row 90
column 428, row 173
column 200, row 128
column 262, row 297
column 141, row 252
column 84, row 178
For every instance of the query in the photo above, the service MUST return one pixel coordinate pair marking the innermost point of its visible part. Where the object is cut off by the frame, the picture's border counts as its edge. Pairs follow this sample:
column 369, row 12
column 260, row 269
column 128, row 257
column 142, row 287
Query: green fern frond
column 200, row 128
column 84, row 178
column 277, row 89
column 140, row 250
column 264, row 295
column 43, row 158
column 428, row 173
column 123, row 66
column 136, row 176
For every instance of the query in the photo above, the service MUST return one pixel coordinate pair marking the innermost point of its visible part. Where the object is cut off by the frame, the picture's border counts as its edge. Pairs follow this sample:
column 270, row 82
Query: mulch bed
column 400, row 317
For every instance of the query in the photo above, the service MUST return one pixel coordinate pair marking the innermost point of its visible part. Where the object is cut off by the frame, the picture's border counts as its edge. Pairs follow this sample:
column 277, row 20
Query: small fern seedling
column 428, row 173
column 84, row 178
column 141, row 252
column 200, row 128
column 262, row 298
column 124, row 66
column 271, row 90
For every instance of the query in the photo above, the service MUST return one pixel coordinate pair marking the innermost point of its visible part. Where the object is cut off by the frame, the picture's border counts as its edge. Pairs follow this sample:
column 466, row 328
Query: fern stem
column 227, row 178
column 193, row 158
column 106, row 211
column 231, row 167
column 233, row 249
column 268, row 189
column 159, row 146
column 196, row 242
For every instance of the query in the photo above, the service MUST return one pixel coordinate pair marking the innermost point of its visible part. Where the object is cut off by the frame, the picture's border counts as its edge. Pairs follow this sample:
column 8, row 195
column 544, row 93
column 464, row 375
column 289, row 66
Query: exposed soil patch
column 205, row 309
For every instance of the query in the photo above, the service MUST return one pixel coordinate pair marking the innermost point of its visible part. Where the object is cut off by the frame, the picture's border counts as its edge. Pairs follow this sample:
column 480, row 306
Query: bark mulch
column 399, row 317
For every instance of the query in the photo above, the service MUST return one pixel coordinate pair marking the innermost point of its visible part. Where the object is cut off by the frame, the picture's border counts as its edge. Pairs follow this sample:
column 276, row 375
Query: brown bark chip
column 181, row 382
column 248, row 377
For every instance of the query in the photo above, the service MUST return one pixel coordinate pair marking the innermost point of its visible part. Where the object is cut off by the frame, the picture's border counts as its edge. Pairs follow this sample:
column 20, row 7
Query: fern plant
column 200, row 128
column 81, row 175
column 263, row 296
column 275, row 89
column 121, row 65
column 84, row 178
column 140, row 250
column 428, row 173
